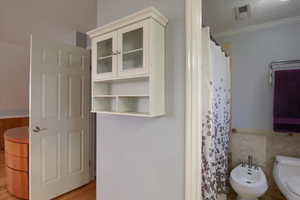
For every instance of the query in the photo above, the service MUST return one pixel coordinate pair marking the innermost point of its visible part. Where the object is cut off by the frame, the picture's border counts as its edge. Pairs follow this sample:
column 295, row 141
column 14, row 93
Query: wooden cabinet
column 128, row 65
column 9, row 123
column 16, row 161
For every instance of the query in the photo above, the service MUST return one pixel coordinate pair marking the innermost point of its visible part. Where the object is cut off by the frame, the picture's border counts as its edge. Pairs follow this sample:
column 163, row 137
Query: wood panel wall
column 9, row 123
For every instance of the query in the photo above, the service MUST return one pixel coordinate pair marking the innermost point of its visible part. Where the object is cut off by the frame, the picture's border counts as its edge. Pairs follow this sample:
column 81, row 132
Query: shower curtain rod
column 275, row 64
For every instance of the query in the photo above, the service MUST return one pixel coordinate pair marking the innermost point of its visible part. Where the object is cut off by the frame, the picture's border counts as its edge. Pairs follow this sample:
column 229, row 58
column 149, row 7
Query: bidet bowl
column 248, row 183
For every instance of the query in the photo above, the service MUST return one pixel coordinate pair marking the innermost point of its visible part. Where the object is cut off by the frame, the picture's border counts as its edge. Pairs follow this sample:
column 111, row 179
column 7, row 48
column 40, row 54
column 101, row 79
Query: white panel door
column 59, row 118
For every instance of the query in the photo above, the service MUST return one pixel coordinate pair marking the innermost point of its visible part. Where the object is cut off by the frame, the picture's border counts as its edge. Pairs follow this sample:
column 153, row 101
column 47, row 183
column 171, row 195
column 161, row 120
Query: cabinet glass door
column 132, row 45
column 105, row 67
column 104, row 64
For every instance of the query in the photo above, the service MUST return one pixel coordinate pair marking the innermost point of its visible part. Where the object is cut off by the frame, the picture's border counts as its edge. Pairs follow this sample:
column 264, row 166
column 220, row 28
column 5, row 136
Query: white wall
column 14, row 77
column 48, row 19
column 43, row 17
column 141, row 158
column 251, row 53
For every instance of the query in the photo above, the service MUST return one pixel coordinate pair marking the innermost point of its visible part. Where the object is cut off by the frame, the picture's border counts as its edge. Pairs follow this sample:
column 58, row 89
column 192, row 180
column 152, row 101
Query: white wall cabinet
column 128, row 65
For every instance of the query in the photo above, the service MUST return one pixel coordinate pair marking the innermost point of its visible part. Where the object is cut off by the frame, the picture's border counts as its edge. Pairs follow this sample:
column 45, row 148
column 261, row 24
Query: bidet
column 248, row 182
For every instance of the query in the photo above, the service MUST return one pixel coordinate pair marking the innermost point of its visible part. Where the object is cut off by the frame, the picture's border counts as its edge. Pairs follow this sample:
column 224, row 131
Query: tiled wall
column 264, row 146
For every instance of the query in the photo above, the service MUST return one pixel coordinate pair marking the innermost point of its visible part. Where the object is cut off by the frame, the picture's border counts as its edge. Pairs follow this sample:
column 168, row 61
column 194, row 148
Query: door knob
column 38, row 129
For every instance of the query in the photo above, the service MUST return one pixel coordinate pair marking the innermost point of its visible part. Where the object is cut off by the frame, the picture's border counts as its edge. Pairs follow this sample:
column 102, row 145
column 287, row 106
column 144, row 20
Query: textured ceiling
column 219, row 14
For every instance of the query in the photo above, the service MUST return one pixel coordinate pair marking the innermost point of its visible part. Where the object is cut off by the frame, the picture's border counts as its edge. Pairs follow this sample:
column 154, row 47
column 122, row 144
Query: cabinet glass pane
column 104, row 56
column 104, row 65
column 133, row 60
column 104, row 48
column 133, row 49
column 133, row 40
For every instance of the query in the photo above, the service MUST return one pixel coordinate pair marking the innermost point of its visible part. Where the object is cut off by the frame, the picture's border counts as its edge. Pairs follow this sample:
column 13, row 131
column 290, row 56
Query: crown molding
column 150, row 12
column 258, row 27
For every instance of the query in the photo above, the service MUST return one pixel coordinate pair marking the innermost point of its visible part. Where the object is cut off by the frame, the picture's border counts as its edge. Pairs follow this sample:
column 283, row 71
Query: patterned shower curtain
column 216, row 123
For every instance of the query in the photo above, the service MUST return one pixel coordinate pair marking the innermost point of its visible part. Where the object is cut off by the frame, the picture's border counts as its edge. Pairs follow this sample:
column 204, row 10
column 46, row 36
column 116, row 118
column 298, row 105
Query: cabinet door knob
column 116, row 52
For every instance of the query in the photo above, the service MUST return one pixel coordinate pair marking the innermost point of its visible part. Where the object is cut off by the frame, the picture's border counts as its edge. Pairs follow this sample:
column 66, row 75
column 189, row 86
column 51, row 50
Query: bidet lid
column 293, row 184
column 288, row 160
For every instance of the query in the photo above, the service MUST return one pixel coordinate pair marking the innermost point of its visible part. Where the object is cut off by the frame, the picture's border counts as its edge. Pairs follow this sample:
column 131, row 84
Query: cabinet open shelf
column 133, row 104
column 128, row 114
column 105, row 96
column 123, row 97
column 122, row 104
column 131, row 77
column 105, row 104
column 117, row 96
column 124, row 87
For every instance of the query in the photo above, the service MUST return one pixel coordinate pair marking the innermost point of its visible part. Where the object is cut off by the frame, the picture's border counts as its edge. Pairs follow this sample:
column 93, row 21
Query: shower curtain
column 216, row 119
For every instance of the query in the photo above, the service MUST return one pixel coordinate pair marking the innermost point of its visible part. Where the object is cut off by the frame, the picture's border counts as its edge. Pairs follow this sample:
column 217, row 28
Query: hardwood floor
column 87, row 192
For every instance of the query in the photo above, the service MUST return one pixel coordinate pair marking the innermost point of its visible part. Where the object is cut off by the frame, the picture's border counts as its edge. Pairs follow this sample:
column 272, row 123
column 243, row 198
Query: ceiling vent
column 242, row 12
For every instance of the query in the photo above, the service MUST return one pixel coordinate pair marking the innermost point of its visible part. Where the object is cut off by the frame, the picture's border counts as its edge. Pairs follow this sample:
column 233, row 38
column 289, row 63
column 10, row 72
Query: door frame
column 193, row 117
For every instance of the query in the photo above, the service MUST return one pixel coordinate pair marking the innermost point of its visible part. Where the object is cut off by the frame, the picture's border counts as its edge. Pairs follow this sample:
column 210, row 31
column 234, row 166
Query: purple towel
column 287, row 101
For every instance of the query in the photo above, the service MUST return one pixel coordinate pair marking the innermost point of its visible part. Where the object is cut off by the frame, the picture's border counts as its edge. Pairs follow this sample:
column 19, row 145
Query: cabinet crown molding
column 150, row 12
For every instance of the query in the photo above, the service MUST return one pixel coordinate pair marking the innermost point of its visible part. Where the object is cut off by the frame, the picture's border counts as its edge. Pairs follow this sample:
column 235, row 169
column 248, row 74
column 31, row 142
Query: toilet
column 286, row 173
column 248, row 182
